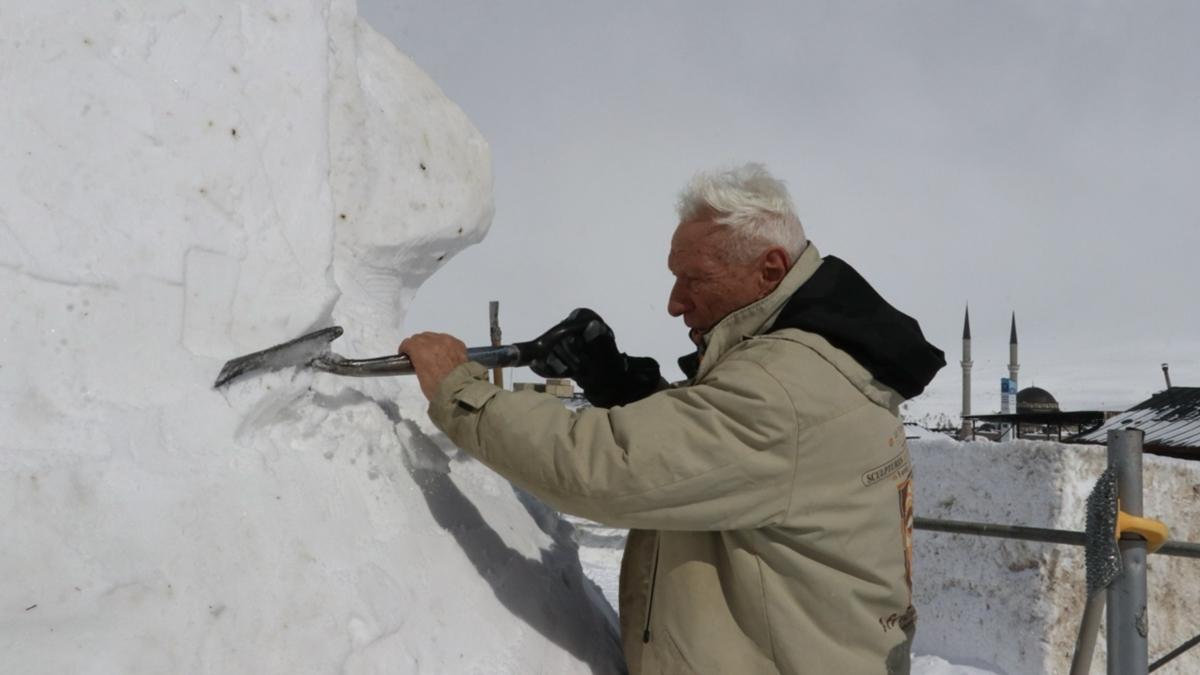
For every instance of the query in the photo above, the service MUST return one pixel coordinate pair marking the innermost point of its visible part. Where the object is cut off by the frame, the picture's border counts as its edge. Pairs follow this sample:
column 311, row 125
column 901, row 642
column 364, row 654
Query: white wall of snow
column 1012, row 606
column 184, row 182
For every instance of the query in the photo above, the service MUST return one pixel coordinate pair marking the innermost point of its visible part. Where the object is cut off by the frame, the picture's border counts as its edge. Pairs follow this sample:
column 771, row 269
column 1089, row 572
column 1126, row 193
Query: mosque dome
column 1036, row 400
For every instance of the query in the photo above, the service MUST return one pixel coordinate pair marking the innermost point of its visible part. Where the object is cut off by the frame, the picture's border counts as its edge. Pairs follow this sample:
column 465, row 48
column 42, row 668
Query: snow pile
column 932, row 665
column 184, row 182
column 1014, row 606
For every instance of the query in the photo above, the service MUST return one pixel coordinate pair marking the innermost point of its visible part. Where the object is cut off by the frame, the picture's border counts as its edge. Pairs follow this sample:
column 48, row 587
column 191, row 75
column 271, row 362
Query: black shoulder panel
column 840, row 306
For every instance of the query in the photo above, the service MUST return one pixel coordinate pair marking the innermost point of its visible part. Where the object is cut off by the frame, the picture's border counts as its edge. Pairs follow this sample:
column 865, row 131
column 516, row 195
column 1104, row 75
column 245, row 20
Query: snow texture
column 184, row 182
column 1014, row 607
column 932, row 665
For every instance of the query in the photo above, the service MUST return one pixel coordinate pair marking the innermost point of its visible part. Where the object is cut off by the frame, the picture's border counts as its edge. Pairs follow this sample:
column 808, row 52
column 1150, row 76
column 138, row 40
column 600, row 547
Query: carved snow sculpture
column 185, row 182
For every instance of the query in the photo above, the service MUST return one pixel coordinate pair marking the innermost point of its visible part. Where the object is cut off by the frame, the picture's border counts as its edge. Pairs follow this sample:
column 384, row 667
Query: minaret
column 965, row 431
column 1013, row 364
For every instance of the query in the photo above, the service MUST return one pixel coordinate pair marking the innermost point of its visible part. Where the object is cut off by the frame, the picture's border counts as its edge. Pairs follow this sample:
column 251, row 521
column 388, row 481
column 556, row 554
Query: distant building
column 1036, row 400
column 1038, row 417
column 968, row 430
column 1036, row 413
column 965, row 431
column 1170, row 420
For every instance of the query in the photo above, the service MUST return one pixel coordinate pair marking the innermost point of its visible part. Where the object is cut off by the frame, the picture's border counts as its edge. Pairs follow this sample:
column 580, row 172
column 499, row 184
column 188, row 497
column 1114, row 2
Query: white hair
column 752, row 203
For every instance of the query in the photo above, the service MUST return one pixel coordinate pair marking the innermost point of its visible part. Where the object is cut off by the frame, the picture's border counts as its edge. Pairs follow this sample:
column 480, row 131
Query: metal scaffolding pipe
column 1089, row 628
column 494, row 326
column 1044, row 535
column 1128, row 623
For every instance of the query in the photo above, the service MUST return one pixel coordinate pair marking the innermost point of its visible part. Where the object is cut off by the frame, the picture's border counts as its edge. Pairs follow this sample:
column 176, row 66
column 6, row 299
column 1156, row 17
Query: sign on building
column 1008, row 395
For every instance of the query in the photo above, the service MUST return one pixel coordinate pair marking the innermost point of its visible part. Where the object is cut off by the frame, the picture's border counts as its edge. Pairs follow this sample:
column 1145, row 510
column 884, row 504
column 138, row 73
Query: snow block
column 1013, row 606
column 185, row 182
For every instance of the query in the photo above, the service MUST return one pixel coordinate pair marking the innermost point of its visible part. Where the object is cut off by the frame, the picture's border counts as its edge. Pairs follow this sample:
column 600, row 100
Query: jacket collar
column 756, row 317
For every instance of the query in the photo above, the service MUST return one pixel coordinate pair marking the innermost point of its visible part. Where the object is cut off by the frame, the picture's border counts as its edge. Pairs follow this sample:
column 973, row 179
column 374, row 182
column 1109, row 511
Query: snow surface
column 932, row 665
column 184, row 182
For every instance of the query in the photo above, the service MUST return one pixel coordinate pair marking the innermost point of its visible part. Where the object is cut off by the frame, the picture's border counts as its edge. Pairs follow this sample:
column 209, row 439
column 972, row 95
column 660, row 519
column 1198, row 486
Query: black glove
column 582, row 347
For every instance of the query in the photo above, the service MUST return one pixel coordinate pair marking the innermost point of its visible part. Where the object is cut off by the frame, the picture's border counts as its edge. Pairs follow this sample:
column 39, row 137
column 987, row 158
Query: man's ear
column 774, row 267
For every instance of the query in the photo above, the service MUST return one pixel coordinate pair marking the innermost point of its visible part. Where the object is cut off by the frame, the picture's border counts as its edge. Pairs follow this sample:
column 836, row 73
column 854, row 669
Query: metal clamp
column 1153, row 531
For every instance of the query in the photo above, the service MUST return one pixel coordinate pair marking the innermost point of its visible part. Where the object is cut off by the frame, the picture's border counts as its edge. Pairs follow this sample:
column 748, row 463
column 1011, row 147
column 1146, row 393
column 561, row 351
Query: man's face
column 707, row 286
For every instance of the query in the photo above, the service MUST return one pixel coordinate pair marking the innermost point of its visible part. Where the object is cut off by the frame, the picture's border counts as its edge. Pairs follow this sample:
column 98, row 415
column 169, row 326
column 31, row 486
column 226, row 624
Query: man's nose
column 677, row 304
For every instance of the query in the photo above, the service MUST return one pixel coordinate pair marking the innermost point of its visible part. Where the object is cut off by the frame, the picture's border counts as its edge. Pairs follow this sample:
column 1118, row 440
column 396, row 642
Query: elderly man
column 771, row 493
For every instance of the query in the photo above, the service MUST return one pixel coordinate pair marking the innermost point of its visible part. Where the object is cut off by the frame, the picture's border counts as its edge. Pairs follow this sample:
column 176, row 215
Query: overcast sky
column 1020, row 156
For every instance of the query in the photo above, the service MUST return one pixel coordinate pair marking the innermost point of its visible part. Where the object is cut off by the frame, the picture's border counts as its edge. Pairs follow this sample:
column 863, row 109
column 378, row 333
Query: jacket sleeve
column 712, row 456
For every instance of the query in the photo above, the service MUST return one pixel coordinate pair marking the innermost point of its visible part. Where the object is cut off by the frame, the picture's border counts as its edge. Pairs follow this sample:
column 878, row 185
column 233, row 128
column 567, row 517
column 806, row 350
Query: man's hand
column 582, row 347
column 579, row 343
column 433, row 356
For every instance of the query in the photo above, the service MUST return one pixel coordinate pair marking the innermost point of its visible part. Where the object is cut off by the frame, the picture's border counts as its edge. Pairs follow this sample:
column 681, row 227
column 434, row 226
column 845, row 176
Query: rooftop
column 1170, row 420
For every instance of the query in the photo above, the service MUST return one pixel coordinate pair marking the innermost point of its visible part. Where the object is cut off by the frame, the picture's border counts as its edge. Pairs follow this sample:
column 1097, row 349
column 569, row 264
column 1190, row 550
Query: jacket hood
column 840, row 306
column 830, row 299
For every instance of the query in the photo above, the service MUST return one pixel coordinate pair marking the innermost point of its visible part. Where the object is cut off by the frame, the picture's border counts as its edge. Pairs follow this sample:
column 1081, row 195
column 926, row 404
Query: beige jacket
column 772, row 499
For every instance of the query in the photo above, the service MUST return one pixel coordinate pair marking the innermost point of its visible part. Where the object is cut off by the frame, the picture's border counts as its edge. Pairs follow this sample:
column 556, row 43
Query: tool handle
column 491, row 357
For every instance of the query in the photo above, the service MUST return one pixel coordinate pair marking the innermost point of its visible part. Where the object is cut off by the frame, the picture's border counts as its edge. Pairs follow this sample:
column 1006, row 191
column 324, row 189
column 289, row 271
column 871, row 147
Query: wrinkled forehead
column 696, row 241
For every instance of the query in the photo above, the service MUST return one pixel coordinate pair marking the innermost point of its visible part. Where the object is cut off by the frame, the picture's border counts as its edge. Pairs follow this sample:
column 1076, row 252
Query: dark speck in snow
column 233, row 131
column 30, row 607
column 423, row 168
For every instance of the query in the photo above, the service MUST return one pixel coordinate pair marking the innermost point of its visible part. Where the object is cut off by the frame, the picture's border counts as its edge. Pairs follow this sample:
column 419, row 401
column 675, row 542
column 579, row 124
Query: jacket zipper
column 653, row 582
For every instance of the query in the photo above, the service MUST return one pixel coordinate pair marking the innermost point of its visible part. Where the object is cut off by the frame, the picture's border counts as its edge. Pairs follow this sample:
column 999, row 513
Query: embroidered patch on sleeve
column 896, row 465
